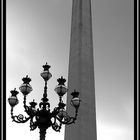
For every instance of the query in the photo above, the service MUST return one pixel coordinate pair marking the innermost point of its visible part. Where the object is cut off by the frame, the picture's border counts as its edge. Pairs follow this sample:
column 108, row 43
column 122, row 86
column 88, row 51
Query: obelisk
column 81, row 73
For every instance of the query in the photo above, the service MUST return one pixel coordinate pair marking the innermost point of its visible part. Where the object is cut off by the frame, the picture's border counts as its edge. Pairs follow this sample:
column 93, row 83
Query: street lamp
column 42, row 117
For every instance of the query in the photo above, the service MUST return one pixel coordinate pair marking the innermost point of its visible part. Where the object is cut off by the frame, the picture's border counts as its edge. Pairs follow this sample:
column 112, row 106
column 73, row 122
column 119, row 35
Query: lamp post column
column 42, row 133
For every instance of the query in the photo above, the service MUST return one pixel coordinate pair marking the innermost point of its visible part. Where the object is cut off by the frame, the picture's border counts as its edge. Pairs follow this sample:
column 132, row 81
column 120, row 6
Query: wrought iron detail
column 42, row 117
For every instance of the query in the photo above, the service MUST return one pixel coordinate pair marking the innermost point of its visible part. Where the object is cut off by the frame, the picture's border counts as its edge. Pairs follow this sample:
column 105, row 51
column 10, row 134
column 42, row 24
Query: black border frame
column 3, row 69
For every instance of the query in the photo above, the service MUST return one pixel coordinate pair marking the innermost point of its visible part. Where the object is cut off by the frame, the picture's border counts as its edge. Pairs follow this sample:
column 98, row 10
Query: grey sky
column 39, row 31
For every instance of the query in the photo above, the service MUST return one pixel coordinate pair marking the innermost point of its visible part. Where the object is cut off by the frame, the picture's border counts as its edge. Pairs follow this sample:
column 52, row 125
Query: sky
column 38, row 31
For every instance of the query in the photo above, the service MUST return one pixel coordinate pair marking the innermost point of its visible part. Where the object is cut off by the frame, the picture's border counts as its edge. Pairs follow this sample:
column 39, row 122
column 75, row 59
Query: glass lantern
column 13, row 101
column 75, row 102
column 61, row 90
column 26, row 88
column 46, row 75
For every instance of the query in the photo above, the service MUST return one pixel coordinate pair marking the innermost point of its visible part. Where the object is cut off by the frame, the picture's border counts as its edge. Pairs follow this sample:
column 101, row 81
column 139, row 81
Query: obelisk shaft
column 81, row 73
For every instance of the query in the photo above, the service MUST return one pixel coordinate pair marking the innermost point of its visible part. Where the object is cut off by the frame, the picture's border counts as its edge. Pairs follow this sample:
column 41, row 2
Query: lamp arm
column 28, row 110
column 55, row 125
column 24, row 103
column 25, row 106
column 68, row 119
column 33, row 125
column 19, row 118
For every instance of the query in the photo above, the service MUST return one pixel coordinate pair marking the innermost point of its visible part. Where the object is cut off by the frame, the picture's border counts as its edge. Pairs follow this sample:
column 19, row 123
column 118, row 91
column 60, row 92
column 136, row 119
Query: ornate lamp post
column 42, row 117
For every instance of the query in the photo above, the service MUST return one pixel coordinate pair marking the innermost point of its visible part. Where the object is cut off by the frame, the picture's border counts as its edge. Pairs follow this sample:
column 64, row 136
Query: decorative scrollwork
column 33, row 125
column 56, row 127
column 30, row 111
column 42, row 117
column 20, row 119
column 66, row 119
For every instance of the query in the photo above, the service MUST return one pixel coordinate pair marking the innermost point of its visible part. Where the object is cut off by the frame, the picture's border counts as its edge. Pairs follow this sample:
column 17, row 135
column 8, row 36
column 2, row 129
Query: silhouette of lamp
column 42, row 117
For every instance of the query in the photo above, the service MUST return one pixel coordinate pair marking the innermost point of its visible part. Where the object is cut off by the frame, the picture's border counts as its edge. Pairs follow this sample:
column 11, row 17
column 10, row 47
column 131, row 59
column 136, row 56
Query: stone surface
column 81, row 73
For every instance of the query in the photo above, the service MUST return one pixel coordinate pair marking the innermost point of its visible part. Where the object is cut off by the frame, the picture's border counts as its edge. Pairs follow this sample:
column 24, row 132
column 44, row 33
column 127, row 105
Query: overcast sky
column 38, row 31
